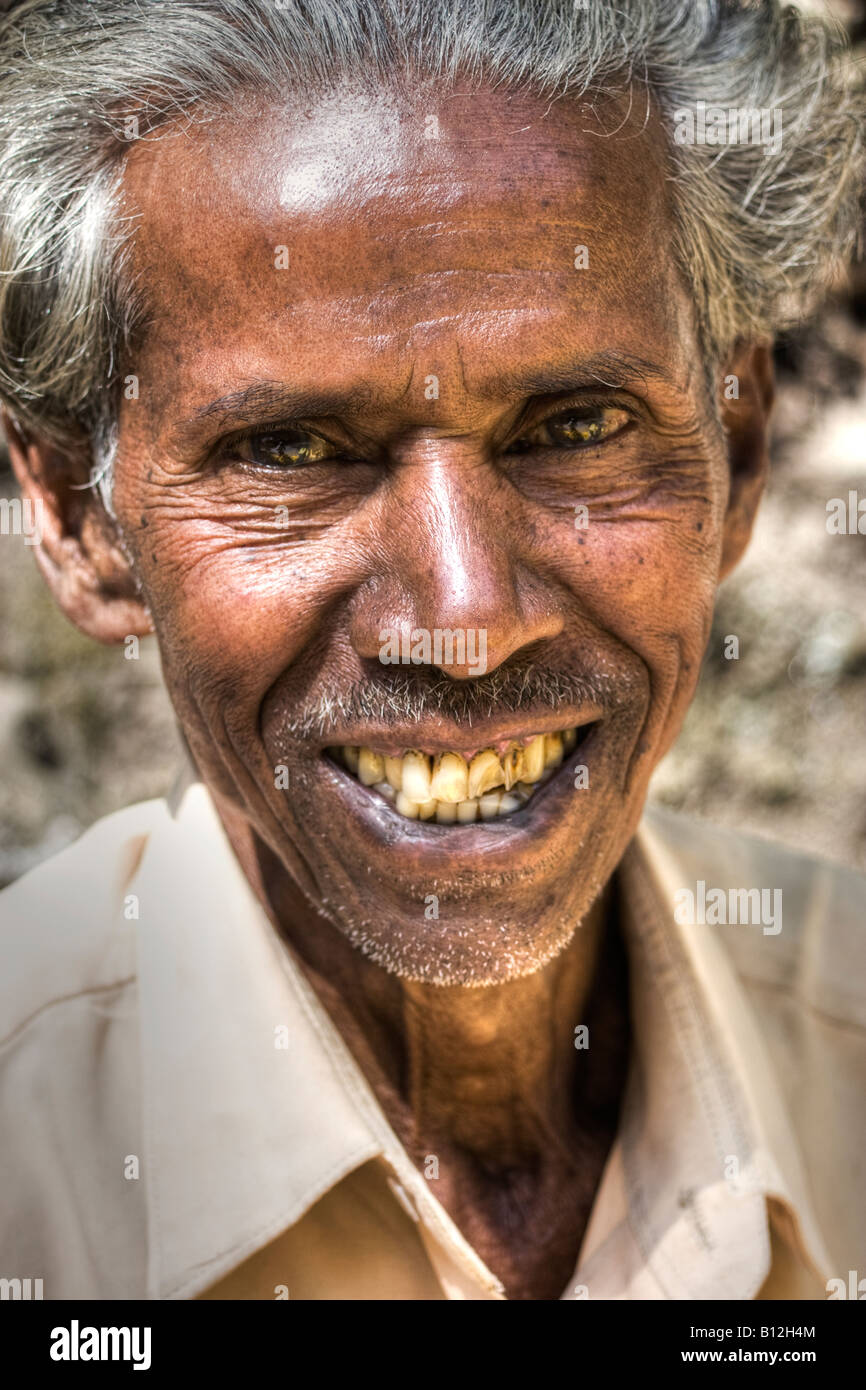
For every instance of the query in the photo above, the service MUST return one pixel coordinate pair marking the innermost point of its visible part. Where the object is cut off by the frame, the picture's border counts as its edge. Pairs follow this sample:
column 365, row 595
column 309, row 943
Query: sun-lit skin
column 411, row 258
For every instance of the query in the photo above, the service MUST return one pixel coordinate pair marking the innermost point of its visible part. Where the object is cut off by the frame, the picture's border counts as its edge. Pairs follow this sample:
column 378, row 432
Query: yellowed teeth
column 446, row 789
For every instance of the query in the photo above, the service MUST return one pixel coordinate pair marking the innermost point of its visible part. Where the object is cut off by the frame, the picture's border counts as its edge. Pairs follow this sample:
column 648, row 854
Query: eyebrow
column 265, row 402
column 268, row 401
column 610, row 368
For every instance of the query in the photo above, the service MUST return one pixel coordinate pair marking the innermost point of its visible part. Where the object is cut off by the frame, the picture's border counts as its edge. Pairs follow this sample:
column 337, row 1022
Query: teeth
column 394, row 773
column 416, row 777
column 450, row 778
column 371, row 767
column 351, row 756
column 533, row 759
column 512, row 765
column 485, row 773
column 443, row 788
column 553, row 750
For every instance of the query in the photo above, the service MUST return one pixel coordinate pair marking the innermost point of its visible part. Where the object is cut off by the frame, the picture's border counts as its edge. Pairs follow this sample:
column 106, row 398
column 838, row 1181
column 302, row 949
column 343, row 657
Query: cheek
column 642, row 549
column 651, row 582
column 235, row 606
column 665, row 582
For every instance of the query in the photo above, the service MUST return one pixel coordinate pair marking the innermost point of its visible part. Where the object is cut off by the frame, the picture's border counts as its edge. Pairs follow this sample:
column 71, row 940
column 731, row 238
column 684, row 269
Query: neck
column 488, row 1081
column 493, row 1073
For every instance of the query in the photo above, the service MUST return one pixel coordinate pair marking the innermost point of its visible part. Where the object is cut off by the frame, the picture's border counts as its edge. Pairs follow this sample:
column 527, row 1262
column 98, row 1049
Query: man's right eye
column 285, row 448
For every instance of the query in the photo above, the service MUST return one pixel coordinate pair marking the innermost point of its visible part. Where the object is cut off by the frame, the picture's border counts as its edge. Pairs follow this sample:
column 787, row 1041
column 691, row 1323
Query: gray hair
column 759, row 229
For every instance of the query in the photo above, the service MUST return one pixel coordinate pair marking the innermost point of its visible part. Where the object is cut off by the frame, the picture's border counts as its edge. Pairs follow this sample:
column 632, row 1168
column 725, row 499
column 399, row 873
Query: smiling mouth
column 453, row 790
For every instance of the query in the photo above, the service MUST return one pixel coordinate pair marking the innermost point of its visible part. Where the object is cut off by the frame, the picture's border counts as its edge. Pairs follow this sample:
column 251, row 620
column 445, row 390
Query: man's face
column 459, row 420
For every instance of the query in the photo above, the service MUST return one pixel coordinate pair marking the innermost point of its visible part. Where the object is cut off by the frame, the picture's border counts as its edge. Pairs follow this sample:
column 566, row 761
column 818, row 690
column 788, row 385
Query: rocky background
column 775, row 742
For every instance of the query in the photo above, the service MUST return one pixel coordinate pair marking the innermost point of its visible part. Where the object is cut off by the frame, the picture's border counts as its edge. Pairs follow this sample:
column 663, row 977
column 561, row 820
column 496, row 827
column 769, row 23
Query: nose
column 456, row 549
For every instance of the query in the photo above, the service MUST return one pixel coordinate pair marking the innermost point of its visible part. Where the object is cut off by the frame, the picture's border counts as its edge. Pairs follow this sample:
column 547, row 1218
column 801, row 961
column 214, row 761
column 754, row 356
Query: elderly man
column 406, row 371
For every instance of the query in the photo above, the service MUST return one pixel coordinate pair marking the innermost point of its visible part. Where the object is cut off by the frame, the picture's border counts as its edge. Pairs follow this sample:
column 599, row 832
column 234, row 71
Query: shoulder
column 69, row 1082
column 815, row 952
column 62, row 924
column 806, row 989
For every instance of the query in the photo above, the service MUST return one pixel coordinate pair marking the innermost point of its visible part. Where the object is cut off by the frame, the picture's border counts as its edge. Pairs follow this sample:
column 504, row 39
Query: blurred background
column 775, row 741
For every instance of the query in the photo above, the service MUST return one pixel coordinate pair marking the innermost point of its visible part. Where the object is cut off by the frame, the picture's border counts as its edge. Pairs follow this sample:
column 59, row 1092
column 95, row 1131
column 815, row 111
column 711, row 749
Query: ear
column 747, row 389
column 77, row 544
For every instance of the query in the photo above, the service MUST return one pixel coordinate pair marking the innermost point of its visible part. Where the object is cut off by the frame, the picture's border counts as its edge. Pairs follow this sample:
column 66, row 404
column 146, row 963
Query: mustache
column 408, row 697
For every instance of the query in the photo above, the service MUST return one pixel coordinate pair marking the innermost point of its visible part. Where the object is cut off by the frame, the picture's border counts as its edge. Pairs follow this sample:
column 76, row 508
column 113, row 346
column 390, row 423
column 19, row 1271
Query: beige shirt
column 180, row 1118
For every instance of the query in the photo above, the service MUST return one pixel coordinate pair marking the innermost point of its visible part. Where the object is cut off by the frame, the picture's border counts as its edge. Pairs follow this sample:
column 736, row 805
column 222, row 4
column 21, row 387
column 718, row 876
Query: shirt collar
column 248, row 1118
column 254, row 1108
column 704, row 1139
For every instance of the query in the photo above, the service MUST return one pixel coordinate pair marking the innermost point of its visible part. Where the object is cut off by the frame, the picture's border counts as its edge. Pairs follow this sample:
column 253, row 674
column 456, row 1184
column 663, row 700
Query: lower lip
column 384, row 824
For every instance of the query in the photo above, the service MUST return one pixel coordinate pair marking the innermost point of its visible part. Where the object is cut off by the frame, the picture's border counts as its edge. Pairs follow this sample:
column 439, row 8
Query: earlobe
column 77, row 546
column 747, row 389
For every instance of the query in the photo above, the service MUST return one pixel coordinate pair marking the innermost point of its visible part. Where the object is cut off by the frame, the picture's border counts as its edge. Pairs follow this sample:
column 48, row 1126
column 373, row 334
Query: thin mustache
column 408, row 697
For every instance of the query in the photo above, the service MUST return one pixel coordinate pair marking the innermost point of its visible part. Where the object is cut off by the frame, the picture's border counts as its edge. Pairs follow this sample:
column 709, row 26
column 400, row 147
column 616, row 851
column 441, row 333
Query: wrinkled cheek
column 227, row 629
column 679, row 623
column 225, row 635
column 652, row 586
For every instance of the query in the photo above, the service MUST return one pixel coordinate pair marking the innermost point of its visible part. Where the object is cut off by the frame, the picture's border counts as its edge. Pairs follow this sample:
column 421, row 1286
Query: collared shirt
column 180, row 1118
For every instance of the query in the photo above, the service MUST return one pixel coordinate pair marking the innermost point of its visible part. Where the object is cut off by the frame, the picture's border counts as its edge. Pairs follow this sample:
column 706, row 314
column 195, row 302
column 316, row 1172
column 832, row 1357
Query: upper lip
column 441, row 736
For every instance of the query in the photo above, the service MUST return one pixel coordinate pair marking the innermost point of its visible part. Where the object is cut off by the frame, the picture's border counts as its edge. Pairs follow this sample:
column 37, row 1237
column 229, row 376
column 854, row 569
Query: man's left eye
column 573, row 429
column 286, row 448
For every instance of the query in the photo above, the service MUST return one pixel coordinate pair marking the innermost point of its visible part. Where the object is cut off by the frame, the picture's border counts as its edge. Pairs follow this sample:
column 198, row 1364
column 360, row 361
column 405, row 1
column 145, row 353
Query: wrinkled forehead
column 355, row 227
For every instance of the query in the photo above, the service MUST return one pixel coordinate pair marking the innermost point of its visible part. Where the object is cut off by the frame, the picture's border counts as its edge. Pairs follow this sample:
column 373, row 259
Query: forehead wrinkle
column 395, row 291
column 529, row 231
column 396, row 308
column 446, row 227
column 376, row 303
column 388, row 313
